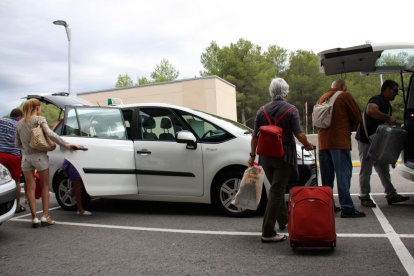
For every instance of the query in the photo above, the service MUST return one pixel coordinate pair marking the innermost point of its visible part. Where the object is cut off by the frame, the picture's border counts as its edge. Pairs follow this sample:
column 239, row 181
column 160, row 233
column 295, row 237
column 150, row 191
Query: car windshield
column 236, row 126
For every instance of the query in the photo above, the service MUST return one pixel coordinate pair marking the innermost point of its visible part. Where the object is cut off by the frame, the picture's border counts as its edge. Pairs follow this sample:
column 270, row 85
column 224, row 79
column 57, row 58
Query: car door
column 107, row 166
column 409, row 126
column 165, row 167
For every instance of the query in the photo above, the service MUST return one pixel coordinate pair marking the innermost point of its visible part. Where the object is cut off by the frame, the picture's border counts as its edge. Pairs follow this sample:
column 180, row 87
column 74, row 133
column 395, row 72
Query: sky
column 112, row 37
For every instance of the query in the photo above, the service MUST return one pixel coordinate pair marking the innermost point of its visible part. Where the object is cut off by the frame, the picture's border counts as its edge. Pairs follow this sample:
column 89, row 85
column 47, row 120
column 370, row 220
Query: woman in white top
column 33, row 159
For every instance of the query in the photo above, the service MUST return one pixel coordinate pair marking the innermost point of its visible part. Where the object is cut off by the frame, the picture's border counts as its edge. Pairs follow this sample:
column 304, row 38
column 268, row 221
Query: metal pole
column 68, row 33
column 69, row 59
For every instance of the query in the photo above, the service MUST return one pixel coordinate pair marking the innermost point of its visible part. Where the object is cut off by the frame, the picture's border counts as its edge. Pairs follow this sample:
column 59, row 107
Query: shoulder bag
column 39, row 140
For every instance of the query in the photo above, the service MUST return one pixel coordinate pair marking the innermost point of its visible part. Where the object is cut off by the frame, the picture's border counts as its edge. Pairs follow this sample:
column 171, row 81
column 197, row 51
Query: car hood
column 60, row 99
column 368, row 58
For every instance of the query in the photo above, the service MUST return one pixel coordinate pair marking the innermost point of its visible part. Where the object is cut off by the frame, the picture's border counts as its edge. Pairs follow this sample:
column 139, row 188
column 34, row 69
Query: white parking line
column 206, row 232
column 395, row 240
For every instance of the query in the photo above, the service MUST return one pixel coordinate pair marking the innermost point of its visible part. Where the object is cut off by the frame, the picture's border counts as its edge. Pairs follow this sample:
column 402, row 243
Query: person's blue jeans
column 337, row 162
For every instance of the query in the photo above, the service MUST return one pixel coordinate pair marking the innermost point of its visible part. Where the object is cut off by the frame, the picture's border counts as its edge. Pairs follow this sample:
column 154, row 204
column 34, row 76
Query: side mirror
column 186, row 137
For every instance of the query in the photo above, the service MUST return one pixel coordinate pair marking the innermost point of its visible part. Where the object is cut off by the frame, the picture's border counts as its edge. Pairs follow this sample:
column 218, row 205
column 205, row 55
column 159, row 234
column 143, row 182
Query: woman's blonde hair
column 28, row 108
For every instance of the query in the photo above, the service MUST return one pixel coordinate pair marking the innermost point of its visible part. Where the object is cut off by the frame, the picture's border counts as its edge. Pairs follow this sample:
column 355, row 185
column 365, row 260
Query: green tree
column 248, row 68
column 164, row 71
column 143, row 80
column 306, row 83
column 124, row 80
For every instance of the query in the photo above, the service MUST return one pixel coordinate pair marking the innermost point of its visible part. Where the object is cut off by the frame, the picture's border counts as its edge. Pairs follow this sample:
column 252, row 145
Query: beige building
column 210, row 94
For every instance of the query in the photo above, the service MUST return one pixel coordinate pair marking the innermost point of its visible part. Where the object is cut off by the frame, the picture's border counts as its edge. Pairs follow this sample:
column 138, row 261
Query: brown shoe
column 367, row 202
column 396, row 198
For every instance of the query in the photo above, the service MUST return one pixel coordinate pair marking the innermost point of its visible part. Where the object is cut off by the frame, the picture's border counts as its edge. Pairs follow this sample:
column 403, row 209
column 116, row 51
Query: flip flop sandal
column 20, row 209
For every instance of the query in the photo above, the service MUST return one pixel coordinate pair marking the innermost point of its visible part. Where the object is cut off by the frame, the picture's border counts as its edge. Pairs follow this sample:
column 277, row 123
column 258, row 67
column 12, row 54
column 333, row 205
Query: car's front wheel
column 224, row 190
column 62, row 187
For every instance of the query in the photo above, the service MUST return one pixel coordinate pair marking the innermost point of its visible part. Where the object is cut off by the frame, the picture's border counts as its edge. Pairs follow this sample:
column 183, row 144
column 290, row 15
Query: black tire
column 223, row 191
column 62, row 186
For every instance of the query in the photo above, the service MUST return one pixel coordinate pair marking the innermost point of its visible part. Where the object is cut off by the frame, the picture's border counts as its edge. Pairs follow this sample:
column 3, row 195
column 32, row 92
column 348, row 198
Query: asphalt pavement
column 152, row 238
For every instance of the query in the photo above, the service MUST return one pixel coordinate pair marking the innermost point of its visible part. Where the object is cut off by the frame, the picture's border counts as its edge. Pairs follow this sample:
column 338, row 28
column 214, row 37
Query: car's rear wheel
column 62, row 187
column 224, row 191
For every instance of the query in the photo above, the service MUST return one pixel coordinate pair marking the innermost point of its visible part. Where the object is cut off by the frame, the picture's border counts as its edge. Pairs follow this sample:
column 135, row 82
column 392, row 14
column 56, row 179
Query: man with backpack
column 10, row 155
column 378, row 111
column 334, row 143
column 278, row 169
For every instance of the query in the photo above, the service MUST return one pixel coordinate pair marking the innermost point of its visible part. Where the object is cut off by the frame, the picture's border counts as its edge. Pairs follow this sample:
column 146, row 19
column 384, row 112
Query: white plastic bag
column 250, row 191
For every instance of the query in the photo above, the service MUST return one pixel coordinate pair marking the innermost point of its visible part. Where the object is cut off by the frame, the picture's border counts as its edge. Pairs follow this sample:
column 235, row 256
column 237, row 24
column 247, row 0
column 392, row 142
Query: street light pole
column 68, row 33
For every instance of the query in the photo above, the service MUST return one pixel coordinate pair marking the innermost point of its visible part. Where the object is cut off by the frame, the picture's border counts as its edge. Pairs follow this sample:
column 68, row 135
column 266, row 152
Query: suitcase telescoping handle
column 316, row 163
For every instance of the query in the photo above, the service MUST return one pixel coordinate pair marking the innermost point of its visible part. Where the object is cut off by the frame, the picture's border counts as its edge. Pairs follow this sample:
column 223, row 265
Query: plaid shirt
column 7, row 136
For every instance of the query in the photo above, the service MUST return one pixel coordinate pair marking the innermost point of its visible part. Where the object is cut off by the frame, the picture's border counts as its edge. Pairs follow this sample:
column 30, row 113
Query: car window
column 205, row 130
column 127, row 113
column 105, row 123
column 158, row 124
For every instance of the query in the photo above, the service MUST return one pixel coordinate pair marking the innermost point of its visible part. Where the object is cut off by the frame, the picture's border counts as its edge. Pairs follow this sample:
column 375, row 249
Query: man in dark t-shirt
column 378, row 111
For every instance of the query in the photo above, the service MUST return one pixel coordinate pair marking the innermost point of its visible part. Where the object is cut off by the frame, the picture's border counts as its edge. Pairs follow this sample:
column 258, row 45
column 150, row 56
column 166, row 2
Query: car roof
column 155, row 104
column 368, row 58
column 60, row 99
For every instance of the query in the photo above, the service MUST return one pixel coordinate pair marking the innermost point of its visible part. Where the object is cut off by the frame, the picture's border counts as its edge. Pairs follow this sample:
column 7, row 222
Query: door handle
column 144, row 152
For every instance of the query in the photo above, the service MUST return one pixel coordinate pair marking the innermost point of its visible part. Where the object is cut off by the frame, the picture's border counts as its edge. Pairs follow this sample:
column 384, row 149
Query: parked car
column 372, row 59
column 156, row 152
column 8, row 193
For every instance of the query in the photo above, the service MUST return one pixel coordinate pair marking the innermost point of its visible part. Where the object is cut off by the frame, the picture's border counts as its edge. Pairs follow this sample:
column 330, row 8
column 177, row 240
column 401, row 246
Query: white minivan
column 155, row 152
column 377, row 59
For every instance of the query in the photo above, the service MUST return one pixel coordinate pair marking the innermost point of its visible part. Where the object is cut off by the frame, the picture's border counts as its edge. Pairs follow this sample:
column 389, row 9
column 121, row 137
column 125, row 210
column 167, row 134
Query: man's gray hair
column 278, row 89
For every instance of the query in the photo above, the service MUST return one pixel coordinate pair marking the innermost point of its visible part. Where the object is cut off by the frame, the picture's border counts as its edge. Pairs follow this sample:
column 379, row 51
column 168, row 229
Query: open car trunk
column 60, row 100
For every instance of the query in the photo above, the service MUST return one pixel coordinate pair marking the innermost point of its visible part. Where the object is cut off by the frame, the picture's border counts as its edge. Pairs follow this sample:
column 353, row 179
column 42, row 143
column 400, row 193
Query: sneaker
column 352, row 214
column 84, row 213
column 276, row 238
column 395, row 198
column 337, row 209
column 35, row 222
column 46, row 221
column 367, row 202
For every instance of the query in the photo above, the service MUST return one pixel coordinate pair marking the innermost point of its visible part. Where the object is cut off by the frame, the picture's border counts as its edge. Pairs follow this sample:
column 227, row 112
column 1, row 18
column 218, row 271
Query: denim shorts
column 38, row 161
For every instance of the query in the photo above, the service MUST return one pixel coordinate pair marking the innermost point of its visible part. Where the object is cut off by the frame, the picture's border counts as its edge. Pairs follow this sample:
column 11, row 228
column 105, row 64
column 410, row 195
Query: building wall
column 210, row 94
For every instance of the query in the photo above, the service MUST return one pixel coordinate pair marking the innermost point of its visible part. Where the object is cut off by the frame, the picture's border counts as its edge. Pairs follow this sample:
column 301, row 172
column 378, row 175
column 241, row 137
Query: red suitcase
column 311, row 218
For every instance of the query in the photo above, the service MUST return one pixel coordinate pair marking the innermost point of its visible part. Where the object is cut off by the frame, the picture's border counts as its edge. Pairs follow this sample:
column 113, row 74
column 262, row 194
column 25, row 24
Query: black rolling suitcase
column 387, row 143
